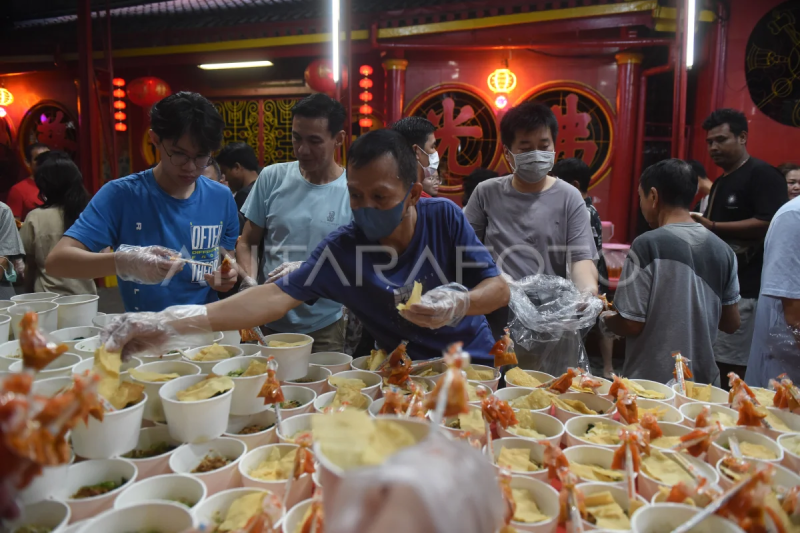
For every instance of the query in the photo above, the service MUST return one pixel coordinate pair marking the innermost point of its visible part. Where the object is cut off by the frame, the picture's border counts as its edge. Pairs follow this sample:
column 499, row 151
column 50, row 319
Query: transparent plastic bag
column 550, row 316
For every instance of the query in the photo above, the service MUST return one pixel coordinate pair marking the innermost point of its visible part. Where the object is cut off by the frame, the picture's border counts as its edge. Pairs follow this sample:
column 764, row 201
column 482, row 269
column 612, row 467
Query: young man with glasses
column 150, row 217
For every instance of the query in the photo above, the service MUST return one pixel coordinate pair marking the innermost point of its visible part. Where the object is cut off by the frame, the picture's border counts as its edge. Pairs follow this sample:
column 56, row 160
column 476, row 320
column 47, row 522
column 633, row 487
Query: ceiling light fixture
column 241, row 64
column 335, row 9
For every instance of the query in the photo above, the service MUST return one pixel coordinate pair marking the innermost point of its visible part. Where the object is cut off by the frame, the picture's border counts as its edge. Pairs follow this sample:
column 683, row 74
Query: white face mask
column 433, row 164
column 533, row 166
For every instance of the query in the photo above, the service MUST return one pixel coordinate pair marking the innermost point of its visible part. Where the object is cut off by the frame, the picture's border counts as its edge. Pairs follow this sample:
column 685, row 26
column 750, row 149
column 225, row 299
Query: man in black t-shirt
column 741, row 205
column 239, row 165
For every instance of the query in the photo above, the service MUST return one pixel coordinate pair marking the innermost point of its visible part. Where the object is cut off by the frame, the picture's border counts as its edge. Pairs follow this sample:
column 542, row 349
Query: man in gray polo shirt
column 678, row 285
column 534, row 223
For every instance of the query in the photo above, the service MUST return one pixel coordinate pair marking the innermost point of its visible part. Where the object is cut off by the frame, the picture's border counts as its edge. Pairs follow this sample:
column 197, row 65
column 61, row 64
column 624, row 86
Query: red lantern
column 365, row 83
column 119, row 93
column 119, row 104
column 118, row 82
column 319, row 76
column 119, row 115
column 365, row 122
column 120, row 126
column 365, row 109
column 366, row 96
column 365, row 70
column 147, row 91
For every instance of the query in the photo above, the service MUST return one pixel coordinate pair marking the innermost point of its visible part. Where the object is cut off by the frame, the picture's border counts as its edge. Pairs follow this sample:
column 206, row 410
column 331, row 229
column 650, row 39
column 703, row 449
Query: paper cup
column 576, row 429
column 245, row 400
column 359, row 363
column 117, row 434
column 619, row 494
column 46, row 484
column 692, row 409
column 322, row 402
column 460, row 433
column 49, row 513
column 91, row 473
column 189, row 456
column 153, row 466
column 593, row 456
column 669, row 394
column 250, row 349
column 491, row 383
column 218, row 504
column 87, row 347
column 290, row 427
column 231, row 338
column 49, row 387
column 334, row 361
column 375, row 407
column 164, row 517
column 102, row 321
column 5, row 327
column 34, row 297
column 543, row 377
column 153, row 409
column 47, row 311
column 537, row 455
column 668, row 516
column 174, row 488
column 717, row 451
column 649, row 486
column 207, row 367
column 10, row 353
column 791, row 459
column 718, row 396
column 673, row 415
column 602, row 406
column 671, row 429
column 426, row 384
column 88, row 364
column 60, row 367
column 266, row 418
column 295, row 515
column 546, row 499
column 478, row 386
column 76, row 311
column 436, row 370
column 549, row 426
column 790, row 419
column 74, row 335
column 372, row 380
column 301, row 487
column 783, row 476
column 512, row 393
column 194, row 421
column 316, row 379
column 300, row 394
column 292, row 361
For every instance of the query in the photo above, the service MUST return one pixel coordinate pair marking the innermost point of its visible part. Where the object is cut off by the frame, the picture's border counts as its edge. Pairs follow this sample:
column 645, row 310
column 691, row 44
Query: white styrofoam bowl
column 292, row 361
column 266, row 417
column 164, row 517
column 334, row 361
column 372, row 380
column 790, row 459
column 250, row 349
column 359, row 363
column 194, row 421
column 491, row 383
column 602, row 406
column 542, row 377
column 549, row 426
column 207, row 366
column 245, row 400
column 671, row 429
column 34, row 297
column 231, row 337
column 61, row 366
column 716, row 451
column 783, row 477
column 87, row 347
column 165, row 487
column 692, row 409
column 91, row 473
column 46, row 310
column 74, row 335
column 322, row 402
column 290, row 427
column 662, row 517
column 576, row 429
column 76, row 311
column 619, row 494
column 291, row 521
column 153, row 409
column 718, row 396
column 669, row 394
column 10, row 353
column 303, row 395
column 117, row 434
column 301, row 487
column 47, row 513
column 46, row 484
column 102, row 321
column 536, row 451
column 673, row 415
column 593, row 455
column 649, row 486
column 512, row 393
column 791, row 420
column 158, row 465
column 546, row 499
column 5, row 326
column 217, row 505
column 187, row 457
column 318, row 376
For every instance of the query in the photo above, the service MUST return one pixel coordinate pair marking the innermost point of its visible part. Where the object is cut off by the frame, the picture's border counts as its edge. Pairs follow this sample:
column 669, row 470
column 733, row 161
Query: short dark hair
column 238, row 152
column 573, row 169
column 785, row 168
column 415, row 130
column 320, row 105
column 213, row 163
column 377, row 143
column 527, row 116
column 735, row 120
column 185, row 112
column 60, row 184
column 475, row 178
column 698, row 168
column 30, row 148
column 674, row 180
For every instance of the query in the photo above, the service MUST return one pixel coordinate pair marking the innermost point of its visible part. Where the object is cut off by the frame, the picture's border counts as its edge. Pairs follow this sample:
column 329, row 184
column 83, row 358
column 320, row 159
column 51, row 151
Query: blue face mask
column 379, row 223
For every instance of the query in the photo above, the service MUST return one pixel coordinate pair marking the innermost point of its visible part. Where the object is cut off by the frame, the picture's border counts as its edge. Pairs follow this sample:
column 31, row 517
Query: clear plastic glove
column 247, row 282
column 146, row 264
column 283, row 270
column 601, row 324
column 439, row 307
column 222, row 281
column 157, row 333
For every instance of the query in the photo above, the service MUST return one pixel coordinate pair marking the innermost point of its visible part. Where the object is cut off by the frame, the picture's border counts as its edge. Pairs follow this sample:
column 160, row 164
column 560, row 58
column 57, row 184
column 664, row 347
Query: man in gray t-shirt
column 776, row 341
column 678, row 285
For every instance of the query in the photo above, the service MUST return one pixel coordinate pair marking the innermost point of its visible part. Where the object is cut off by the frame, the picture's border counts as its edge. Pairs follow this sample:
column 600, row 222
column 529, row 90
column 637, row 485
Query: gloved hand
column 439, row 307
column 157, row 333
column 146, row 264
column 247, row 282
column 601, row 324
column 283, row 270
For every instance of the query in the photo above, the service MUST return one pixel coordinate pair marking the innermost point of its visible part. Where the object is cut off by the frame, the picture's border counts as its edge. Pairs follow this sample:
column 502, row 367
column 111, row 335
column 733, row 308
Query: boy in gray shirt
column 678, row 285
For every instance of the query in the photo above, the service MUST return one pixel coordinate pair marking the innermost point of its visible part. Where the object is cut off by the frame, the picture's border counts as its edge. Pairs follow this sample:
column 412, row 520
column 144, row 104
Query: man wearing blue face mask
column 419, row 133
column 371, row 266
column 532, row 222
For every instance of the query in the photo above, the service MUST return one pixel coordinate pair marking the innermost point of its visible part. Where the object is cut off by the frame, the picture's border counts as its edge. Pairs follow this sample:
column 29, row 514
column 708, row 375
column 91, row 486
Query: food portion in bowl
column 277, row 466
column 701, row 393
column 239, row 513
column 284, row 344
column 152, row 377
column 520, row 378
column 538, row 399
column 602, row 433
column 642, row 392
column 348, row 397
column 90, row 491
column 603, row 511
column 210, row 462
column 526, row 426
column 665, row 442
column 574, row 406
column 215, row 352
column 661, row 467
column 154, row 450
column 203, row 390
column 658, row 412
column 252, row 429
column 596, row 472
column 476, row 374
column 526, row 509
column 120, row 394
column 255, row 368
column 792, row 444
column 517, row 460
column 471, row 422
column 752, row 450
column 291, row 404
column 33, row 528
column 375, row 359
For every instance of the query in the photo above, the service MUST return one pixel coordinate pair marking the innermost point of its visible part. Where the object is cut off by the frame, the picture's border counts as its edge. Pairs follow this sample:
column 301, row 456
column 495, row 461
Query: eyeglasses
column 201, row 161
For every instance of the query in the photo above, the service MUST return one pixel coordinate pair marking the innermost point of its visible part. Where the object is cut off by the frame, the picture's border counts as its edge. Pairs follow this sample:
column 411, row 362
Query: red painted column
column 88, row 110
column 395, row 88
column 622, row 179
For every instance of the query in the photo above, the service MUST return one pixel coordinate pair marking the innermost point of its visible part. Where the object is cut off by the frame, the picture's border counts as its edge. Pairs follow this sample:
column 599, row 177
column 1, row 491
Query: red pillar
column 88, row 109
column 622, row 178
column 395, row 88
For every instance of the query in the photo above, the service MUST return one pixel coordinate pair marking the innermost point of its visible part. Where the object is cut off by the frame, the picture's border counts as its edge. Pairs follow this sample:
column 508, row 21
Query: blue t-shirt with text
column 444, row 249
column 134, row 210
